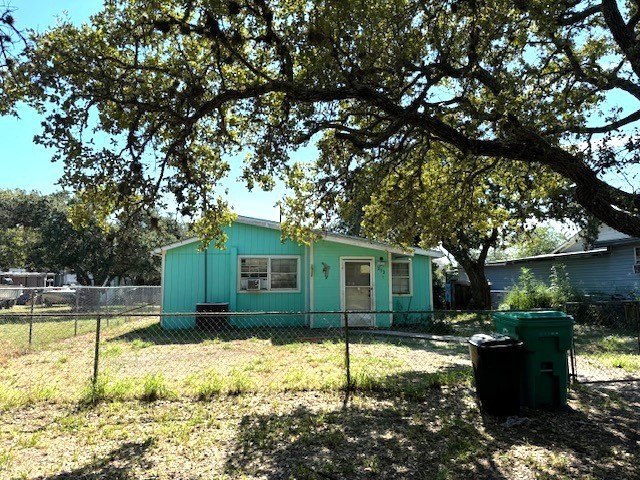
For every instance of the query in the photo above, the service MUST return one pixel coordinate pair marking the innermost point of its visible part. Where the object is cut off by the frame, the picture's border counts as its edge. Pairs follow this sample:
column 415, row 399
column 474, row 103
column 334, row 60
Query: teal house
column 257, row 272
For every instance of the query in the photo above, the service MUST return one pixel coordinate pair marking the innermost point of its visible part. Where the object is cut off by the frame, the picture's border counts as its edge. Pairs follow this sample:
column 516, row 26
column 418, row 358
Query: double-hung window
column 401, row 277
column 268, row 273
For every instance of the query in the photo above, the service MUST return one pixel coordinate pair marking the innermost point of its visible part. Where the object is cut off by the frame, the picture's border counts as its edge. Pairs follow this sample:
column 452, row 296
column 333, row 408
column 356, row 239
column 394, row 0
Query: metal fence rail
column 79, row 298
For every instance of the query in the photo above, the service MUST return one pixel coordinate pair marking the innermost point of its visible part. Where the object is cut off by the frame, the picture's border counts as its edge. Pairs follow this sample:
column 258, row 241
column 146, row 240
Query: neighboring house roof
column 26, row 274
column 571, row 241
column 607, row 237
column 330, row 236
column 549, row 256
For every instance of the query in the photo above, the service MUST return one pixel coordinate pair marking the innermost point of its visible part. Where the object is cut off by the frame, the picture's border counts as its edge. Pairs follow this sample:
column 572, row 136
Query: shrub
column 560, row 287
column 528, row 294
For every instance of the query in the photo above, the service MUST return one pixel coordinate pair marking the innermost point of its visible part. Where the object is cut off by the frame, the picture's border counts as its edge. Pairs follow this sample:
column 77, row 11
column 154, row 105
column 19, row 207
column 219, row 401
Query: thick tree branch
column 622, row 34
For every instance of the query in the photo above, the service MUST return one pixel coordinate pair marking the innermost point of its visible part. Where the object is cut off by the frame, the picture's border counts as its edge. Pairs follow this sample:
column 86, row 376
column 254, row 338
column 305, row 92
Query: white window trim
column 268, row 290
column 403, row 260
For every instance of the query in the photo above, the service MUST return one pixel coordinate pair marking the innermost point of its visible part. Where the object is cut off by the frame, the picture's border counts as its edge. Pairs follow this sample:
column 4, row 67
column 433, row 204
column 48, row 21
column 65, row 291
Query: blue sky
column 26, row 165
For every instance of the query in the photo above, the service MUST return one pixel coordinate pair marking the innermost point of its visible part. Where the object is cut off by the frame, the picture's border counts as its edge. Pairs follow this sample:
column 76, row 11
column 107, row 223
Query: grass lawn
column 606, row 354
column 268, row 404
column 309, row 435
column 140, row 360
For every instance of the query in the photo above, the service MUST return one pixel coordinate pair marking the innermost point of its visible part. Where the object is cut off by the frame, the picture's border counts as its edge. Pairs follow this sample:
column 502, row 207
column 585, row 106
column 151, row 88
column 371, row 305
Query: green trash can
column 547, row 337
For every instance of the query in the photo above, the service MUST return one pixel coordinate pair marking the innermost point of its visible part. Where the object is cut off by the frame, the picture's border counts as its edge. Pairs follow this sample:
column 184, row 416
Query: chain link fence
column 123, row 354
column 85, row 302
column 607, row 340
column 101, row 345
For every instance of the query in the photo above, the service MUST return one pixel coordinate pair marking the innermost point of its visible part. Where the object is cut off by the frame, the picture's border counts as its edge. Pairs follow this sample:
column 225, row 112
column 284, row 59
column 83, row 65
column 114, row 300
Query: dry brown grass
column 271, row 407
column 241, row 360
column 309, row 435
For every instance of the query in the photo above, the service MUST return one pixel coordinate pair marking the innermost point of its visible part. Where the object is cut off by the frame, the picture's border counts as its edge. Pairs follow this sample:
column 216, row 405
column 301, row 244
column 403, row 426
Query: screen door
column 358, row 291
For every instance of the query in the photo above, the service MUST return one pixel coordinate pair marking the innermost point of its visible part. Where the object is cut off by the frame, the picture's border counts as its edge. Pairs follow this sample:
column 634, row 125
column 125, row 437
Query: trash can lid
column 545, row 318
column 483, row 340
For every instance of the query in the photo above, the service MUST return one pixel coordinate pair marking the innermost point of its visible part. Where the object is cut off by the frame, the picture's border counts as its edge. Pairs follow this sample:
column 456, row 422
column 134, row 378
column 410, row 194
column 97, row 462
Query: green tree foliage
column 42, row 237
column 431, row 197
column 173, row 85
column 540, row 240
column 20, row 214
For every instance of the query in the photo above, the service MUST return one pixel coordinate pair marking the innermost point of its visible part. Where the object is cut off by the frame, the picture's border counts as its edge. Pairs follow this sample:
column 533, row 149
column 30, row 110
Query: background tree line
column 36, row 233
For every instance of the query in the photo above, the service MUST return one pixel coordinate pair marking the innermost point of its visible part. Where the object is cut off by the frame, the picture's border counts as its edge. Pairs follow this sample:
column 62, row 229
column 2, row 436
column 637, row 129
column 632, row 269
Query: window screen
column 401, row 278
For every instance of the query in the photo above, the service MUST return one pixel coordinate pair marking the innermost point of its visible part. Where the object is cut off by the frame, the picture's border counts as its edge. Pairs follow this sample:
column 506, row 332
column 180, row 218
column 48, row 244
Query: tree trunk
column 474, row 267
column 480, row 290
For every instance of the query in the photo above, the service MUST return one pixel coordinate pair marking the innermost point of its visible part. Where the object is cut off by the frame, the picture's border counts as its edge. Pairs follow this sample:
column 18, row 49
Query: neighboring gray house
column 608, row 269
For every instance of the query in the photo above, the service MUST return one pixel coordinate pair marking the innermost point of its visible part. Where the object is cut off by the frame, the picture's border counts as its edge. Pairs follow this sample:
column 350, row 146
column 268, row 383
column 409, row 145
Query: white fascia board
column 428, row 253
column 364, row 243
column 159, row 251
column 571, row 241
column 548, row 256
column 258, row 222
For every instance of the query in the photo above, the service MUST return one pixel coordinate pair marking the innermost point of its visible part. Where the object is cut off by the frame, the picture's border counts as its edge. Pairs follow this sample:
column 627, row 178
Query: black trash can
column 212, row 322
column 497, row 367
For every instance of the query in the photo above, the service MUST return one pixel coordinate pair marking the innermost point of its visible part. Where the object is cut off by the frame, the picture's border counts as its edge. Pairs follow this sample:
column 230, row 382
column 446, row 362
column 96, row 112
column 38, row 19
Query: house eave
column 550, row 256
column 331, row 237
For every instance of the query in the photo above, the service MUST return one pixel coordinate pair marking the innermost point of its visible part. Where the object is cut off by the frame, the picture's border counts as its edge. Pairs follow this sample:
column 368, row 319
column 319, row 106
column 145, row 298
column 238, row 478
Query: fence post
column 638, row 323
column 75, row 323
column 96, row 353
column 33, row 299
column 347, row 360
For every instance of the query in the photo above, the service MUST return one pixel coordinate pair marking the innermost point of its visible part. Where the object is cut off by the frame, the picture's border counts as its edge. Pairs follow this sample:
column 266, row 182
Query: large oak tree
column 428, row 195
column 146, row 99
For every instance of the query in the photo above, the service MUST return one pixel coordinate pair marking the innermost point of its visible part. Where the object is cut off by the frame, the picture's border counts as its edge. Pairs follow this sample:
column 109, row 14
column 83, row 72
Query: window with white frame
column 268, row 273
column 401, row 277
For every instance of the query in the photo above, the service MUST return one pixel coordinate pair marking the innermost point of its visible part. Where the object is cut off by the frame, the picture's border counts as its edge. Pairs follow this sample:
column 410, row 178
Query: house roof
column 569, row 242
column 330, row 236
column 26, row 274
column 549, row 256
column 607, row 237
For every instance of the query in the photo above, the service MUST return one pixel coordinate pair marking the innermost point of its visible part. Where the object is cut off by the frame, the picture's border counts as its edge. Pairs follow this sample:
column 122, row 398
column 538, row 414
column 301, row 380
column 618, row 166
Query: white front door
column 357, row 291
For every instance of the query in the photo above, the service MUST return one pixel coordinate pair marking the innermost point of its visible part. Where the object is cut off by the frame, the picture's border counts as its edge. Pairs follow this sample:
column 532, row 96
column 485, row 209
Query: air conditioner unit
column 253, row 284
column 636, row 268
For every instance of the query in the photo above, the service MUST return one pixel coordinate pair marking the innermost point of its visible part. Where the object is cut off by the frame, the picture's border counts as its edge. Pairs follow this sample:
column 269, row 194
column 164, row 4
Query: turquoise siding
column 183, row 284
column 184, row 280
column 328, row 291
column 421, row 294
